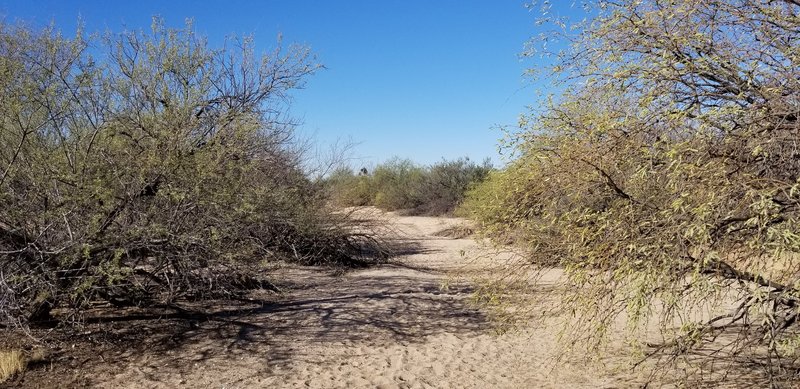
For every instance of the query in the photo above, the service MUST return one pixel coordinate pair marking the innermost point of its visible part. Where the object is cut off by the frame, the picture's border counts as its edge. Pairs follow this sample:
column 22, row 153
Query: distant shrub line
column 402, row 185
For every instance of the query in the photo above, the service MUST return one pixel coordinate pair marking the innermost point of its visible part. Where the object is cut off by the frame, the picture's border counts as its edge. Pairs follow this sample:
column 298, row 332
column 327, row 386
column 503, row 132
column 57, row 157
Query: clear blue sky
column 419, row 79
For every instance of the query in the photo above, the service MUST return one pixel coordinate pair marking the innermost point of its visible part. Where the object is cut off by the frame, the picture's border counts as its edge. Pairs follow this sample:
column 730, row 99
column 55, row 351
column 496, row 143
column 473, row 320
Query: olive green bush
column 399, row 184
column 447, row 182
column 346, row 188
column 665, row 180
column 144, row 167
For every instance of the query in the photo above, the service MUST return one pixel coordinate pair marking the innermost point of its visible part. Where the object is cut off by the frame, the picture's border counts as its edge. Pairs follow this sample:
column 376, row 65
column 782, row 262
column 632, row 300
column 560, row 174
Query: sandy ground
column 391, row 326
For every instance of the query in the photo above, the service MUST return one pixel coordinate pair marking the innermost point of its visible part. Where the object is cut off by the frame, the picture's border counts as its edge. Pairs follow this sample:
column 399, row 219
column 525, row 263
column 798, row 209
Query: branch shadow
column 722, row 364
column 379, row 306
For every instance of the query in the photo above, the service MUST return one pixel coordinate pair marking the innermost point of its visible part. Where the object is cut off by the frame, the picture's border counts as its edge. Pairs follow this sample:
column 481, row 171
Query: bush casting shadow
column 379, row 306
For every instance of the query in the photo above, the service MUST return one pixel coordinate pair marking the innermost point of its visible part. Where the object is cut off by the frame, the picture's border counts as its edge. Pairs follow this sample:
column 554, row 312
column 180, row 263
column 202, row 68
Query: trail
column 390, row 326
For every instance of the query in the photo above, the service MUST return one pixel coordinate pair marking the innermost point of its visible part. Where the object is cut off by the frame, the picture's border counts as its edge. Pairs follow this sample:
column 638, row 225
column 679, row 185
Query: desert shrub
column 665, row 180
column 348, row 189
column 397, row 184
column 144, row 167
column 503, row 205
column 400, row 184
column 447, row 182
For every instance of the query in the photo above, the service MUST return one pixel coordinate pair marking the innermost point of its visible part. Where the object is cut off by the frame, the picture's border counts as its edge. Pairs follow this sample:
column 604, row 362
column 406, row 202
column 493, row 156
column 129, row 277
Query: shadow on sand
column 375, row 306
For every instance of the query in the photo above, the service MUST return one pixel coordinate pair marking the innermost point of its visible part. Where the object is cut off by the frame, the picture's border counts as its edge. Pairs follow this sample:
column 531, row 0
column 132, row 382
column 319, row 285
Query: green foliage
column 503, row 203
column 447, row 183
column 399, row 184
column 151, row 172
column 349, row 189
column 665, row 179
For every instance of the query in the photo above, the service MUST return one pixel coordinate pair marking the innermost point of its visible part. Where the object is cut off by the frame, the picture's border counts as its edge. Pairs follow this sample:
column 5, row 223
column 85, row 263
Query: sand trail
column 390, row 326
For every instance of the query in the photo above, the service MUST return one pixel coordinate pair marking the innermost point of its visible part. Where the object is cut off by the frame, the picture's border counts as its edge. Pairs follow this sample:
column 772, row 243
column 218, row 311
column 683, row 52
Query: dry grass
column 11, row 363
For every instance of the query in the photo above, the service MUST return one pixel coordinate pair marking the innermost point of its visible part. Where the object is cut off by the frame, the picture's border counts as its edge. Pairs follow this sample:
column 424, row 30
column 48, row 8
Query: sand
column 390, row 326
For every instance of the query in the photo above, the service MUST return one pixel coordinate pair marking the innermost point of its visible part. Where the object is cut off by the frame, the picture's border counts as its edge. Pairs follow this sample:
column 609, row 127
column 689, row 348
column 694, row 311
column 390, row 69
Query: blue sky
column 419, row 79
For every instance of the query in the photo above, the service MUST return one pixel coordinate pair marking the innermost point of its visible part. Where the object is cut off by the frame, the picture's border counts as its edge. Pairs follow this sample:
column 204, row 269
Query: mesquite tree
column 666, row 179
column 142, row 167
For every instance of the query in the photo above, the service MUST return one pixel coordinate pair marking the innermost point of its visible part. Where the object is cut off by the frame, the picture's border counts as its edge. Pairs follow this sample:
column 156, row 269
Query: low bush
column 346, row 188
column 399, row 184
column 666, row 182
column 161, row 169
column 502, row 206
column 447, row 183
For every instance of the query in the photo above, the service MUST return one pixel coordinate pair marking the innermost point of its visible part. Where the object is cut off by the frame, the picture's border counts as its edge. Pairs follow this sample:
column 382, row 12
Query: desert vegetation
column 660, row 188
column 11, row 362
column 664, row 180
column 402, row 185
column 140, row 168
